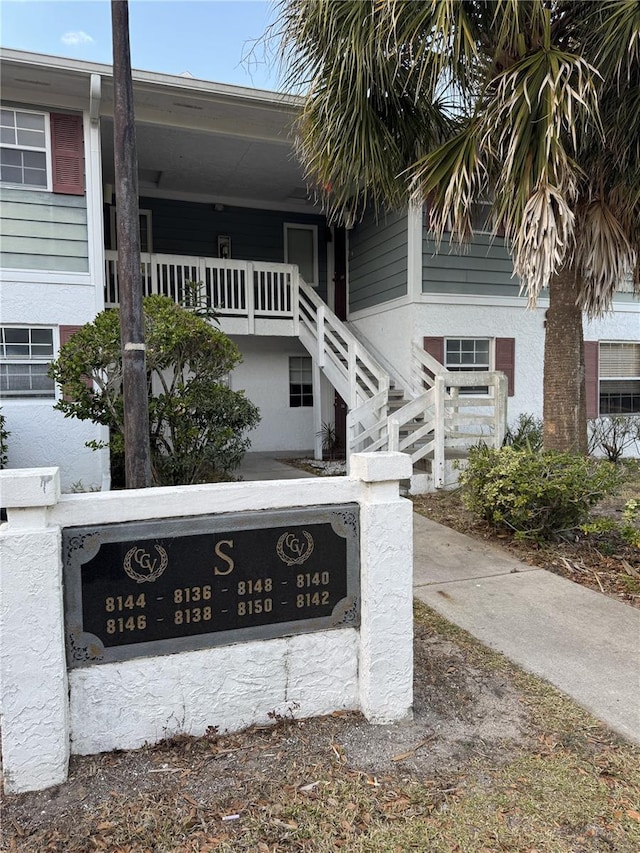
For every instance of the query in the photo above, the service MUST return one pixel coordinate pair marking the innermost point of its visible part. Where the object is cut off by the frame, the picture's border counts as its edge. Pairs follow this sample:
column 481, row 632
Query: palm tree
column 534, row 104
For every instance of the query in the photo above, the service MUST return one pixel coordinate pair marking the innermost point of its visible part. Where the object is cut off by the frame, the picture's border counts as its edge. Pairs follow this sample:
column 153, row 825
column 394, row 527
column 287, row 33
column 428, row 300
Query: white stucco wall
column 125, row 705
column 41, row 436
column 264, row 377
column 47, row 712
column 391, row 331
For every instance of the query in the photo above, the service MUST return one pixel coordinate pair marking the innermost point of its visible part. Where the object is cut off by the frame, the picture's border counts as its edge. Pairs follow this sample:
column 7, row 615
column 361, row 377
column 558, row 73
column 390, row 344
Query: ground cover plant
column 494, row 760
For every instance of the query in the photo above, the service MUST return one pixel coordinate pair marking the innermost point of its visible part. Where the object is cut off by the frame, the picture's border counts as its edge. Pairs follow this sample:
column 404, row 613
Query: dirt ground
column 461, row 712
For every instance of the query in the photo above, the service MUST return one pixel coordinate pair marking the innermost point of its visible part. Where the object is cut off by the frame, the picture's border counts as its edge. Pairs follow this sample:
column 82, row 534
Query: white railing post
column 249, row 291
column 499, row 410
column 155, row 287
column 353, row 388
column 295, row 300
column 317, row 410
column 320, row 335
column 439, row 436
column 393, row 432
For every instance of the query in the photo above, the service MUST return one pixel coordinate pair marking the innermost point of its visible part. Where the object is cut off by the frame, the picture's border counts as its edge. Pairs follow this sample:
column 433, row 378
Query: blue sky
column 208, row 38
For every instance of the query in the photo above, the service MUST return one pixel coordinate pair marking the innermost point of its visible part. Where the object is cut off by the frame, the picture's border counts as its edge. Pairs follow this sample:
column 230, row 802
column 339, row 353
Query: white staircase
column 443, row 416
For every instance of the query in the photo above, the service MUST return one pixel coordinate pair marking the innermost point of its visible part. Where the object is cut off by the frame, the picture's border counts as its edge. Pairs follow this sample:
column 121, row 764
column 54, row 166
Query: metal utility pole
column 137, row 452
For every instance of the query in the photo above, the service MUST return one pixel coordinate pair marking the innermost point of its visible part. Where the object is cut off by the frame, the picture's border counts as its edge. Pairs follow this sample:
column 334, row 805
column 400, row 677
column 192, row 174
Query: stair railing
column 353, row 372
column 449, row 415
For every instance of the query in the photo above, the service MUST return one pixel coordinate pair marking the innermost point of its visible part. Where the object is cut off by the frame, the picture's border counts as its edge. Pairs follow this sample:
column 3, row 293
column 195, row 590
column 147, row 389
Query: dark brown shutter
column 67, row 154
column 591, row 377
column 506, row 361
column 67, row 332
column 435, row 348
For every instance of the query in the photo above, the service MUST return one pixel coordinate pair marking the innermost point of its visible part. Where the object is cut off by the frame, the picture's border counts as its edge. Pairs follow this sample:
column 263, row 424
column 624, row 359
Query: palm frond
column 543, row 239
column 604, row 256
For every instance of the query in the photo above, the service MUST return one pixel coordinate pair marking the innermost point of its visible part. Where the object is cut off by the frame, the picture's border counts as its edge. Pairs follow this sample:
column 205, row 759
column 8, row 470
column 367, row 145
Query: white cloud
column 76, row 37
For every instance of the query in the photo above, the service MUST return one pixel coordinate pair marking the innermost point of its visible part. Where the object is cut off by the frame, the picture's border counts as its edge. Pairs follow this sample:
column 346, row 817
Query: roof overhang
column 195, row 138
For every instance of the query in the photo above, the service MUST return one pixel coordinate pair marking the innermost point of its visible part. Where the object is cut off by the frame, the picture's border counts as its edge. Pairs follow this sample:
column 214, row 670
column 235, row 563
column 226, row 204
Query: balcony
column 250, row 297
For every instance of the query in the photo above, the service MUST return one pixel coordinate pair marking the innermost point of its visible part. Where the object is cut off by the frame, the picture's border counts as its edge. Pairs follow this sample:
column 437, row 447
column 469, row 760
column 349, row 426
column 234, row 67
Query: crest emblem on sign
column 294, row 551
column 142, row 566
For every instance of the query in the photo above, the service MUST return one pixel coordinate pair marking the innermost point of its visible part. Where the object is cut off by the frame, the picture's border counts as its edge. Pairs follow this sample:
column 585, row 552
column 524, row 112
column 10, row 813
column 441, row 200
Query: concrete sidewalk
column 267, row 466
column 586, row 644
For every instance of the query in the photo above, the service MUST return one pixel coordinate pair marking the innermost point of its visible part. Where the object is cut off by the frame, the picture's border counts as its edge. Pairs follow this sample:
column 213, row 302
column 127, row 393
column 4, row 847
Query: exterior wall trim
column 400, row 302
column 414, row 250
column 45, row 277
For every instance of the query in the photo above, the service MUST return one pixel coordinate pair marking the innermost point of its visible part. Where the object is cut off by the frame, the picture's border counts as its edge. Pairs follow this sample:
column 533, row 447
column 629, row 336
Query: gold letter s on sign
column 223, row 556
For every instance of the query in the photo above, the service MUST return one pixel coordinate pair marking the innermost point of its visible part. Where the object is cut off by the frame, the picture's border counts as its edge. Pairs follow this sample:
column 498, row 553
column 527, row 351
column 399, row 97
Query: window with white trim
column 619, row 375
column 301, row 248
column 300, row 381
column 473, row 354
column 25, row 159
column 25, row 354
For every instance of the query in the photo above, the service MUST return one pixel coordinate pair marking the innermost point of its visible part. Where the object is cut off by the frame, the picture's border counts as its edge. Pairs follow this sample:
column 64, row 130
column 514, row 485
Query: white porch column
column 386, row 552
column 33, row 671
column 317, row 409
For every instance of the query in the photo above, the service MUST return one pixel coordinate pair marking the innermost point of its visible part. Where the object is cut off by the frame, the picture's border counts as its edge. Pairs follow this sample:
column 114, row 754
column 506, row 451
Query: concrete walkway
column 267, row 466
column 584, row 643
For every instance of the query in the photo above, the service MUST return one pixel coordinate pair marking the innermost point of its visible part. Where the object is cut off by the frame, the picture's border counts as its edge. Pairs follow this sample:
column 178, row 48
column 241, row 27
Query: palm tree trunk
column 564, row 409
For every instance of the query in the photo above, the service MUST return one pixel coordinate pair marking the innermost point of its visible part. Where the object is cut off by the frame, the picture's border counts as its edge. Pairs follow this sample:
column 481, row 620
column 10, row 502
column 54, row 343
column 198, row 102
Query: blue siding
column 481, row 267
column 43, row 231
column 377, row 260
column 189, row 228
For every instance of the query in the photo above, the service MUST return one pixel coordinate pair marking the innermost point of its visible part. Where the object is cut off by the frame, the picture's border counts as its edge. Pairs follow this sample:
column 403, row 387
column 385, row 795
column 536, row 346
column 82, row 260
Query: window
column 24, row 155
column 619, row 373
column 300, row 381
column 468, row 354
column 25, row 354
column 144, row 218
column 301, row 248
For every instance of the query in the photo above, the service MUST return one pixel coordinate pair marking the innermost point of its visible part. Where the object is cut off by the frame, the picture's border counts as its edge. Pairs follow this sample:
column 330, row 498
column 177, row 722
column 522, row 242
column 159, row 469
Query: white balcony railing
column 246, row 289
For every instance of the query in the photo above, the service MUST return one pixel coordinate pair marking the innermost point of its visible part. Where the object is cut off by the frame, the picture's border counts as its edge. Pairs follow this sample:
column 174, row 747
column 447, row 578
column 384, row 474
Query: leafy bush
column 4, row 435
column 625, row 530
column 536, row 495
column 611, row 435
column 197, row 424
column 525, row 434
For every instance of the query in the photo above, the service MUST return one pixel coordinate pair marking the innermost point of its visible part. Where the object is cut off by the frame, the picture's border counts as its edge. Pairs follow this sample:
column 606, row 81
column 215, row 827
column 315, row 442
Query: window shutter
column 66, row 333
column 591, row 377
column 435, row 348
column 67, row 154
column 506, row 361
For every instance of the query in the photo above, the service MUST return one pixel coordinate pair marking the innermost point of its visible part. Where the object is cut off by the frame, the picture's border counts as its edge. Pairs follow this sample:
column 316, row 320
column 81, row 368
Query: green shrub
column 525, row 434
column 4, row 435
column 536, row 495
column 197, row 424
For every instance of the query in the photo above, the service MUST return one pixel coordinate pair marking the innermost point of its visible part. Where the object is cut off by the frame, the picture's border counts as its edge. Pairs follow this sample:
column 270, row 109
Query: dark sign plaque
column 157, row 587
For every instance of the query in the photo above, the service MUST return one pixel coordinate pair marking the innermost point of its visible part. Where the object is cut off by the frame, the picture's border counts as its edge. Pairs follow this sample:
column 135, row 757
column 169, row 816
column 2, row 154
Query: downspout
column 95, row 231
